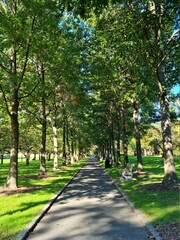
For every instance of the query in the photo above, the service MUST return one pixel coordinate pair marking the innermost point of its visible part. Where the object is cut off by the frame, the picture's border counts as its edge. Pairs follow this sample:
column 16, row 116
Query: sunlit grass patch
column 159, row 207
column 18, row 210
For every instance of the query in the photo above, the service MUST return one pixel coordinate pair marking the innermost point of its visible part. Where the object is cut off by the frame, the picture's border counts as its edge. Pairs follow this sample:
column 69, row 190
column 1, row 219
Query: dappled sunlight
column 90, row 208
column 149, row 195
column 28, row 200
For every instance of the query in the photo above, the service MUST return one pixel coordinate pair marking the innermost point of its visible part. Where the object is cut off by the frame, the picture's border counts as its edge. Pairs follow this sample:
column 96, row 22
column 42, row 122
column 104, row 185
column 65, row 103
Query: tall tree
column 160, row 31
column 17, row 30
column 20, row 31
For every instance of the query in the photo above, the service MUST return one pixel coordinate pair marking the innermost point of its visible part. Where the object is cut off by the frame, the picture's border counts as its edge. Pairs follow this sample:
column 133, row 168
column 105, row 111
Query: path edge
column 22, row 235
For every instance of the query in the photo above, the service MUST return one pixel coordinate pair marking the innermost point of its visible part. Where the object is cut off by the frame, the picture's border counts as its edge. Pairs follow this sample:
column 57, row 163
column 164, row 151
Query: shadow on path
column 90, row 208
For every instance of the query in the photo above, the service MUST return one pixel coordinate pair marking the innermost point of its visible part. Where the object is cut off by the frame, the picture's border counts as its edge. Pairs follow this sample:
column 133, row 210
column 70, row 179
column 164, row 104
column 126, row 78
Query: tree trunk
column 55, row 140
column 27, row 157
column 108, row 149
column 34, row 158
column 118, row 143
column 68, row 144
column 170, row 176
column 124, row 138
column 103, row 154
column 137, row 135
column 44, row 123
column 43, row 149
column 110, row 145
column 113, row 146
column 64, row 143
column 72, row 145
column 2, row 156
column 12, row 178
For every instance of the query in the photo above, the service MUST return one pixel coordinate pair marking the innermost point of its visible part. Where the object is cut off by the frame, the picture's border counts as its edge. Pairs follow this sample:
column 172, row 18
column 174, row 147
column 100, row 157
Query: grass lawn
column 159, row 207
column 18, row 209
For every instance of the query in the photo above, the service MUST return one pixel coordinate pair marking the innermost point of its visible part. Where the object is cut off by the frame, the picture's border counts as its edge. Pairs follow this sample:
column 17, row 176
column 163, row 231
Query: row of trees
column 137, row 53
column 94, row 81
column 40, row 78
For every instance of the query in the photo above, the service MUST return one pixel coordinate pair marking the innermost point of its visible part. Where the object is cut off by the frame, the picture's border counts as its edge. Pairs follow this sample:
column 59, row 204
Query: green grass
column 159, row 207
column 18, row 210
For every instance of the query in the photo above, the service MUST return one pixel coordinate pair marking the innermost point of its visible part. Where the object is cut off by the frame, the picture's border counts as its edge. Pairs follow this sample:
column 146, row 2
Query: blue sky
column 176, row 89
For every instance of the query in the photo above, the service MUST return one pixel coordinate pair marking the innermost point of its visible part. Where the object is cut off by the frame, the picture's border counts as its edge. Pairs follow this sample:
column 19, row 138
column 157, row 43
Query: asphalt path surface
column 90, row 208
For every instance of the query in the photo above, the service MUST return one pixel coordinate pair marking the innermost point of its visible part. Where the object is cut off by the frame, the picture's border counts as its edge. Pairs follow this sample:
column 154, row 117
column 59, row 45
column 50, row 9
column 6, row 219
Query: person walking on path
column 90, row 208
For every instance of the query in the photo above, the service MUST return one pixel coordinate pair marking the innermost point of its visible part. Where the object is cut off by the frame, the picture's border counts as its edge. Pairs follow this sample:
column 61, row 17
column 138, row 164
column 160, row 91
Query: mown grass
column 18, row 210
column 159, row 207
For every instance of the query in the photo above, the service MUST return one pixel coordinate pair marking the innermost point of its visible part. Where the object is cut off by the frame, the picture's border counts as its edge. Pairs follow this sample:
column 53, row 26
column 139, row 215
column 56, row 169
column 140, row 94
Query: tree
column 18, row 35
column 159, row 21
column 154, row 37
column 17, row 31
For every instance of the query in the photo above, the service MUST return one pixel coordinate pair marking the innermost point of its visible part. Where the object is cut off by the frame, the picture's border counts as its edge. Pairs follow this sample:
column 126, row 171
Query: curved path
column 90, row 208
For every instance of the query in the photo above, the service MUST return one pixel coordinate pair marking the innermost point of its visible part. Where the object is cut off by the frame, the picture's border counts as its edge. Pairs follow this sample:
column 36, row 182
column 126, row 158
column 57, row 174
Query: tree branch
column 5, row 99
column 173, row 36
column 5, row 68
column 29, row 94
column 27, row 53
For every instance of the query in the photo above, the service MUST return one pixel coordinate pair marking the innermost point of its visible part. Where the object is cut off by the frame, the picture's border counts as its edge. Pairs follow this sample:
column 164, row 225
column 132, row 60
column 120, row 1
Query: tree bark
column 55, row 141
column 113, row 146
column 27, row 156
column 64, row 143
column 118, row 143
column 42, row 170
column 2, row 158
column 68, row 144
column 124, row 138
column 137, row 136
column 72, row 145
column 170, row 176
column 12, row 178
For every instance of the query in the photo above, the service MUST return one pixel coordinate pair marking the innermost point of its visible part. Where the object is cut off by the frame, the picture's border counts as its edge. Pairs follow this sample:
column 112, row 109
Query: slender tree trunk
column 72, row 145
column 108, row 145
column 113, row 147
column 42, row 170
column 64, row 143
column 12, row 179
column 68, row 144
column 27, row 157
column 124, row 138
column 137, row 135
column 75, row 150
column 55, row 140
column 104, row 152
column 43, row 148
column 170, row 176
column 2, row 158
column 34, row 158
column 118, row 143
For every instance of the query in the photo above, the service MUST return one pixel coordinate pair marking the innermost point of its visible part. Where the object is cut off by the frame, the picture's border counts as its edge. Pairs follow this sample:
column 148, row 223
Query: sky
column 176, row 89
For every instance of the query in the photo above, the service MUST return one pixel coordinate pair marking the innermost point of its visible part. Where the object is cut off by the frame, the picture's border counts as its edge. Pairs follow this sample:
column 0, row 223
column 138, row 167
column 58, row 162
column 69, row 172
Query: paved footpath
column 91, row 208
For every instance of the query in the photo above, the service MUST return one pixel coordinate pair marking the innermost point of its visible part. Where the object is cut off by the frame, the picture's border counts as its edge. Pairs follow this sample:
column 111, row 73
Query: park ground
column 160, row 206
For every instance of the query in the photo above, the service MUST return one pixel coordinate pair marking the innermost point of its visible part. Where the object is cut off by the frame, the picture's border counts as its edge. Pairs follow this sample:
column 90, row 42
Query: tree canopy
column 88, row 74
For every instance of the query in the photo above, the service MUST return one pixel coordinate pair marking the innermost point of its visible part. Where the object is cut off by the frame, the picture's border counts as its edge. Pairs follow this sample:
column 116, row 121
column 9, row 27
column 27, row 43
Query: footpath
column 90, row 208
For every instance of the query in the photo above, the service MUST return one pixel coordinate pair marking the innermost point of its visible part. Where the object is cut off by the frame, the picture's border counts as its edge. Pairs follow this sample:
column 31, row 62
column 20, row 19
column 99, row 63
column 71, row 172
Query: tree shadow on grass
column 38, row 176
column 158, row 187
column 25, row 206
column 7, row 191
